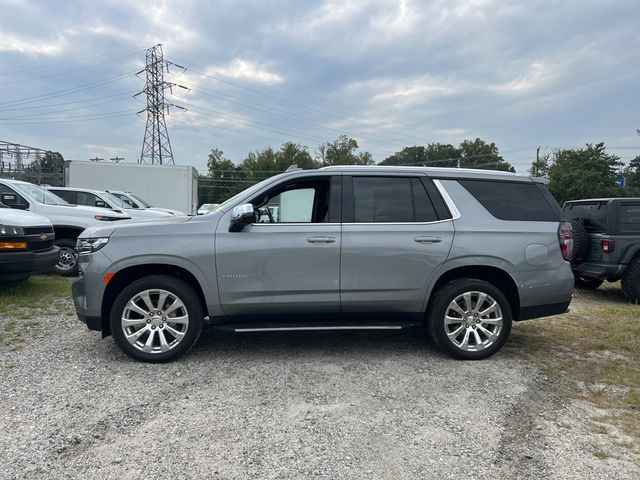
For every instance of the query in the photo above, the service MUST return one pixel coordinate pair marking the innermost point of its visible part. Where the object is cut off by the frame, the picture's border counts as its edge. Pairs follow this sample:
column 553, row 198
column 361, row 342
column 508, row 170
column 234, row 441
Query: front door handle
column 321, row 239
column 428, row 239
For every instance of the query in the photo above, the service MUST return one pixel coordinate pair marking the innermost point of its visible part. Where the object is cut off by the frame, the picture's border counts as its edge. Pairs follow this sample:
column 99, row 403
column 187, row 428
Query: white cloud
column 17, row 44
column 247, row 70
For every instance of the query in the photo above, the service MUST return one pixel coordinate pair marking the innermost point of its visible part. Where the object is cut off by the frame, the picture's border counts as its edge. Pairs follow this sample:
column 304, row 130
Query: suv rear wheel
column 470, row 319
column 156, row 318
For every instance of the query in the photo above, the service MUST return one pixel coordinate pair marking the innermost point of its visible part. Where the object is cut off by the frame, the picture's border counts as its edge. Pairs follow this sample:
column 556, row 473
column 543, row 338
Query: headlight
column 106, row 218
column 10, row 230
column 85, row 246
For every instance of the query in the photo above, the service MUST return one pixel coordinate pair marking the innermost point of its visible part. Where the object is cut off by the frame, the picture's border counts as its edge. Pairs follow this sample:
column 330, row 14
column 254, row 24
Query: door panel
column 387, row 267
column 392, row 243
column 279, row 268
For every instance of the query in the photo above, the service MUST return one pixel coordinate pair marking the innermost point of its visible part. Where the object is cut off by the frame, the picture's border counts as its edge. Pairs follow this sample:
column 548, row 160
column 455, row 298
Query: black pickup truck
column 26, row 245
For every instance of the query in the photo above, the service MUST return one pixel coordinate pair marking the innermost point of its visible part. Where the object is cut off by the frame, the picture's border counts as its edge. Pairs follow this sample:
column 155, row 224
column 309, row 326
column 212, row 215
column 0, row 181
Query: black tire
column 587, row 283
column 67, row 265
column 438, row 309
column 580, row 241
column 631, row 281
column 192, row 308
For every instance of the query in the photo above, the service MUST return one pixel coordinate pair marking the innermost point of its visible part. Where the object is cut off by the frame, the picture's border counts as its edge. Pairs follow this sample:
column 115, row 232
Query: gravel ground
column 287, row 405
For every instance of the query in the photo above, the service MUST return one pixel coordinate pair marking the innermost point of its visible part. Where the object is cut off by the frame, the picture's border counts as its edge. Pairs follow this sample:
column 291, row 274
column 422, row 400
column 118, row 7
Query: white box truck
column 166, row 186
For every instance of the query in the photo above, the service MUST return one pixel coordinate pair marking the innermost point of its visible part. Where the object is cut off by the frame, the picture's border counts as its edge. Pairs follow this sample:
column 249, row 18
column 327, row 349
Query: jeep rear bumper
column 609, row 271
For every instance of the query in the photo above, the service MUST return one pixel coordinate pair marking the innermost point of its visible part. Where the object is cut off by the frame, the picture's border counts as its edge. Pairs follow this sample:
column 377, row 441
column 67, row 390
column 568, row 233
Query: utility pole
column 156, row 147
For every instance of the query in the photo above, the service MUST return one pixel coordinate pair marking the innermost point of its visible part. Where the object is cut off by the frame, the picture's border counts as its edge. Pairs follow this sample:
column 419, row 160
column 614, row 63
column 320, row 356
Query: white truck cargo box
column 166, row 186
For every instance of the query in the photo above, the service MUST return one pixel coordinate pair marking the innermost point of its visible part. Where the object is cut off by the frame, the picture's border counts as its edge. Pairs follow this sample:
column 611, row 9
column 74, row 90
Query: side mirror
column 100, row 204
column 11, row 201
column 241, row 216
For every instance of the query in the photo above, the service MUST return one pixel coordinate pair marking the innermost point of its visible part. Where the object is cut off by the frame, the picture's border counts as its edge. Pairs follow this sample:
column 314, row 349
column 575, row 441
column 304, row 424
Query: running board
column 328, row 327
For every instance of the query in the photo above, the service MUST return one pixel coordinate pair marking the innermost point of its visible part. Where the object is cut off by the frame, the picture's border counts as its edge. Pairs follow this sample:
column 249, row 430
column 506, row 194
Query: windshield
column 140, row 202
column 41, row 195
column 254, row 188
column 114, row 200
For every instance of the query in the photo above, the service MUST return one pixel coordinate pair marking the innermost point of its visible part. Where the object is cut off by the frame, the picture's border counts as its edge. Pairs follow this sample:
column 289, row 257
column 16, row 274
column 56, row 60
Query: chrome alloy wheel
column 155, row 321
column 68, row 258
column 473, row 321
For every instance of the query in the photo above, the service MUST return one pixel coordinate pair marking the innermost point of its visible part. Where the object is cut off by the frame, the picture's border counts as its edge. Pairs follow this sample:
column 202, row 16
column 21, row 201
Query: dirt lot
column 560, row 401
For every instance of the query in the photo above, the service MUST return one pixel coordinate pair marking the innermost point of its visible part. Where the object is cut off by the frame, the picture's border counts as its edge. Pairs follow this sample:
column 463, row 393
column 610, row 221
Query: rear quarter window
column 520, row 201
column 592, row 215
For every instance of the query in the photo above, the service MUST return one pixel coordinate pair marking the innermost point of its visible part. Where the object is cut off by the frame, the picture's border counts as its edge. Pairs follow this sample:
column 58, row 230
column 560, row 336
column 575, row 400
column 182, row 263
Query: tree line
column 224, row 178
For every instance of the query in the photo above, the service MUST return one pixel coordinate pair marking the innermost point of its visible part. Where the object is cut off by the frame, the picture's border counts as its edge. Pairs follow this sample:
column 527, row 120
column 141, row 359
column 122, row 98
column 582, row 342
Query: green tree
column 632, row 176
column 293, row 154
column 50, row 162
column 480, row 154
column 585, row 173
column 433, row 155
column 223, row 180
column 540, row 166
column 343, row 151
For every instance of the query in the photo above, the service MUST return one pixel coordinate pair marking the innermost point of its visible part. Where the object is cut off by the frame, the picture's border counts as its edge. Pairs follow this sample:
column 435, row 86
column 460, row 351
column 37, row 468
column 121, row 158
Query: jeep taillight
column 565, row 238
column 607, row 245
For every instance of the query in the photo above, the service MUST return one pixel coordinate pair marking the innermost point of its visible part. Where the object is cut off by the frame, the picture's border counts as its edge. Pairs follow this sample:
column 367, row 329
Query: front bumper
column 17, row 265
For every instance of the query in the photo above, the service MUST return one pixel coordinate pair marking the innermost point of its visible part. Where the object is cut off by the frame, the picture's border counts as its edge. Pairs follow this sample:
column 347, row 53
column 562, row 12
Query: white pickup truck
column 68, row 220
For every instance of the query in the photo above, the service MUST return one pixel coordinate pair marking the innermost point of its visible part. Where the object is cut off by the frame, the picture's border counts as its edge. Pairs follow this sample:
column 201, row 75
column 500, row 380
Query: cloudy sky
column 388, row 73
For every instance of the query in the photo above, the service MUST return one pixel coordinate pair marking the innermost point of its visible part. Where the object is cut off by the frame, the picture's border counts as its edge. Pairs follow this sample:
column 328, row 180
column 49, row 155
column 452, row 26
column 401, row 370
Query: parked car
column 133, row 201
column 68, row 220
column 607, row 243
column 464, row 252
column 207, row 208
column 26, row 245
column 99, row 199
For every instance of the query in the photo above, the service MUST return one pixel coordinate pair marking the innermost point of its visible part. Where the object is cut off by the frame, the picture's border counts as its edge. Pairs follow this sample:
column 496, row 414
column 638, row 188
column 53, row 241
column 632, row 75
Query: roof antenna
column 292, row 168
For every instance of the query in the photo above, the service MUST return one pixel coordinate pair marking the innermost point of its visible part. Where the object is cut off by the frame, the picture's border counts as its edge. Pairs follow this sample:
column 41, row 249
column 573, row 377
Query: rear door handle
column 428, row 239
column 321, row 239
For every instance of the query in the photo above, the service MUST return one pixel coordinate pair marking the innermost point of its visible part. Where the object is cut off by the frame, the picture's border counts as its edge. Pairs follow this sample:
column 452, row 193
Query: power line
column 68, row 91
column 66, row 62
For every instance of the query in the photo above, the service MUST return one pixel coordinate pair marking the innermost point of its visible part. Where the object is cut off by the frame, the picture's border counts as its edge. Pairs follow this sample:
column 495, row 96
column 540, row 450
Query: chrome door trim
column 447, row 199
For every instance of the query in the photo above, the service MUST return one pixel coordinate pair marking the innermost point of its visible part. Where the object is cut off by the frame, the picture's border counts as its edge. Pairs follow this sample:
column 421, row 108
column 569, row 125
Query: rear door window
column 391, row 200
column 67, row 195
column 513, row 200
column 592, row 215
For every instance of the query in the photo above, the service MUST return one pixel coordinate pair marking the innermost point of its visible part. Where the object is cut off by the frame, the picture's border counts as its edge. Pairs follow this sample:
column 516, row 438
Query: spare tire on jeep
column 580, row 241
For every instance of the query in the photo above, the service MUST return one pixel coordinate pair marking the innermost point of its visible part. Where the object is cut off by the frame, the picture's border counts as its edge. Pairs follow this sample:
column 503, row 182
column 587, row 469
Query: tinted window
column 64, row 194
column 391, row 199
column 629, row 218
column 512, row 200
column 592, row 215
column 12, row 197
column 88, row 199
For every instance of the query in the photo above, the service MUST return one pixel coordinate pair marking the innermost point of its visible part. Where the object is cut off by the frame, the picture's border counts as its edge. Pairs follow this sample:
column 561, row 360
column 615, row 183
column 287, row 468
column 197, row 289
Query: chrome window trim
column 447, row 199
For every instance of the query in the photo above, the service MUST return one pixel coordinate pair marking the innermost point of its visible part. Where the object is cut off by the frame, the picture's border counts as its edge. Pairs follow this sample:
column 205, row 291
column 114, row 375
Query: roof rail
column 293, row 167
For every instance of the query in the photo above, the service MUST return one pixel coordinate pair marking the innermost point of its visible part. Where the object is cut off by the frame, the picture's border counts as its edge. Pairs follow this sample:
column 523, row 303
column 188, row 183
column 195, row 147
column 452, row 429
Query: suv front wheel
column 469, row 318
column 156, row 318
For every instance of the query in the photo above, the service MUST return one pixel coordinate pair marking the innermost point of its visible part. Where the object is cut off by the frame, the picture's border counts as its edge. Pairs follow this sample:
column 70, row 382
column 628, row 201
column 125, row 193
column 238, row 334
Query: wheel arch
column 498, row 277
column 129, row 274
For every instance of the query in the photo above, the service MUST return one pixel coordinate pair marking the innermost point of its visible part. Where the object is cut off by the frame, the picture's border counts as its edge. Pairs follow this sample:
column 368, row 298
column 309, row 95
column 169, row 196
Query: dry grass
column 22, row 302
column 596, row 348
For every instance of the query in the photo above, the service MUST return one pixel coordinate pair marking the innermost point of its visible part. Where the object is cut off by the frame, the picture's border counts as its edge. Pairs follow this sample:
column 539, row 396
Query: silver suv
column 463, row 252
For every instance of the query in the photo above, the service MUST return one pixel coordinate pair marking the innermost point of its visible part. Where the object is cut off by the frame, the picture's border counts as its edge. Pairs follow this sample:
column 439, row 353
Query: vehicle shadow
column 381, row 344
